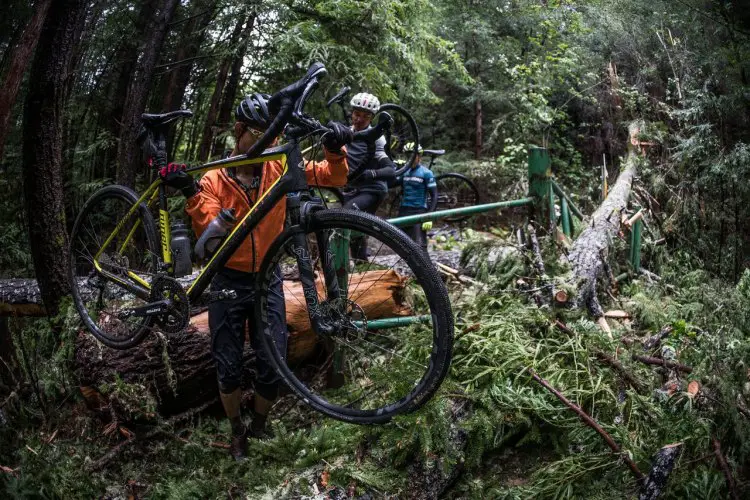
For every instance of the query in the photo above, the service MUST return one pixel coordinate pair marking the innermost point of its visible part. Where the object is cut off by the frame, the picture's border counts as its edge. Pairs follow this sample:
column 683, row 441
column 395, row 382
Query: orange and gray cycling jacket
column 219, row 191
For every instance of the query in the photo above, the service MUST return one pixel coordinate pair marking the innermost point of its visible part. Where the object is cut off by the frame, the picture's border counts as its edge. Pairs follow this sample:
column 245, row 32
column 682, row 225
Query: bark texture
column 663, row 463
column 19, row 59
column 42, row 148
column 590, row 249
column 135, row 102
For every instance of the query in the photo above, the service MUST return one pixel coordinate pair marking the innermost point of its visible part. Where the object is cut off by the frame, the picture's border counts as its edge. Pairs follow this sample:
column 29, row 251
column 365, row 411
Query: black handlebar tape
column 341, row 94
column 276, row 127
column 372, row 134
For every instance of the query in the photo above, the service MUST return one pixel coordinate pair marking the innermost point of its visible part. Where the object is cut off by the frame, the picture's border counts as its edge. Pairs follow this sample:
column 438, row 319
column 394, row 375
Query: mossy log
column 178, row 370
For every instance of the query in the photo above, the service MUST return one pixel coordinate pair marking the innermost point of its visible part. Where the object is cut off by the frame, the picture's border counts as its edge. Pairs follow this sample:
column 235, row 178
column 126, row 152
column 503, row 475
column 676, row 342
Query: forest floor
column 491, row 432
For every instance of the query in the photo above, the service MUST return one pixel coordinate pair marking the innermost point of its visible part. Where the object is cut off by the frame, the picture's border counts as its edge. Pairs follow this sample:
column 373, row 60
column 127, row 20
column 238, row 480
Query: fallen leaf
column 324, row 477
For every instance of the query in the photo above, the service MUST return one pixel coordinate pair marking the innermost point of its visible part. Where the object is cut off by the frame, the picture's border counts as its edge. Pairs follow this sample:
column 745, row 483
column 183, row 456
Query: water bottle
column 215, row 232
column 180, row 249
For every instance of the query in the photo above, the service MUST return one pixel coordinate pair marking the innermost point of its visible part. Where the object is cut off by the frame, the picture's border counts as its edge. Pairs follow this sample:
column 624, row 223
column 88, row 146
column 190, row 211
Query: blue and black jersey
column 416, row 184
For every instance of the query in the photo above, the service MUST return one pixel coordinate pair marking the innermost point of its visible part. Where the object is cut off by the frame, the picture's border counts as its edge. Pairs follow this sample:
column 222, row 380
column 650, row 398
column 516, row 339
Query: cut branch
column 731, row 486
column 663, row 362
column 591, row 423
column 621, row 370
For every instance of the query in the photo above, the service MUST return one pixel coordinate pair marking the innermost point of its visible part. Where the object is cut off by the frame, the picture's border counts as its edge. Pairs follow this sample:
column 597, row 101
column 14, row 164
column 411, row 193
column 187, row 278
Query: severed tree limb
column 663, row 362
column 621, row 370
column 656, row 482
column 593, row 243
column 731, row 486
column 536, row 251
column 591, row 423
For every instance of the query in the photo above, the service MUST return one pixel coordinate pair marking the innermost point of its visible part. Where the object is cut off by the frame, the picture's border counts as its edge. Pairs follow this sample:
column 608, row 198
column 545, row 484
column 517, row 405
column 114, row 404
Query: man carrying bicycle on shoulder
column 239, row 189
column 417, row 182
column 370, row 169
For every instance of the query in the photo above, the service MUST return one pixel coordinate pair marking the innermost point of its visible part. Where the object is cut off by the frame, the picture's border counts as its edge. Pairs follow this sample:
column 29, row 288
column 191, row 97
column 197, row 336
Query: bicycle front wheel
column 402, row 133
column 113, row 258
column 390, row 329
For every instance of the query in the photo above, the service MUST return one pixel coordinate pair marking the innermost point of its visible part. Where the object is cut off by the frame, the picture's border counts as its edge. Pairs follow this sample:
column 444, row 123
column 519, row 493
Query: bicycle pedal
column 222, row 295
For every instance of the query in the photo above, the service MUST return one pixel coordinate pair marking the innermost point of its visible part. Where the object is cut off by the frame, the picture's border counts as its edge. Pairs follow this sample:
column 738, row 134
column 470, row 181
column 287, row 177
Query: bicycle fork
column 321, row 320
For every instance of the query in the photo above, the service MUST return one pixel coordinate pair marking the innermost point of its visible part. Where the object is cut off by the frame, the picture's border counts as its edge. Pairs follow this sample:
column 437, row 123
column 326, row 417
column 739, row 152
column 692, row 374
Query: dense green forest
column 485, row 80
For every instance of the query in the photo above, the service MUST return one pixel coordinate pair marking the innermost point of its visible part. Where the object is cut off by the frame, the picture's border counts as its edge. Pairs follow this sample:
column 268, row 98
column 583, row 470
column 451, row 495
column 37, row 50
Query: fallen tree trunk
column 179, row 370
column 590, row 249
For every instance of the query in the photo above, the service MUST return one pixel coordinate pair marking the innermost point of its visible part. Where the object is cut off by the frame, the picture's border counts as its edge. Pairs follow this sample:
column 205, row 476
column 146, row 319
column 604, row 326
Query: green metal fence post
column 565, row 214
column 635, row 245
column 340, row 249
column 540, row 174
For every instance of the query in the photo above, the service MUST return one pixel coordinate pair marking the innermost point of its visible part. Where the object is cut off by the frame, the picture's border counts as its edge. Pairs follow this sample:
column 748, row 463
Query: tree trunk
column 135, row 102
column 20, row 57
column 213, row 107
column 230, row 91
column 179, row 77
column 42, row 149
column 478, row 132
column 591, row 247
column 189, row 379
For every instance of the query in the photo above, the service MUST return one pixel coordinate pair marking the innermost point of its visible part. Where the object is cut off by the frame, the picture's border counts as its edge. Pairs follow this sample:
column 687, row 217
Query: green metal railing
column 410, row 220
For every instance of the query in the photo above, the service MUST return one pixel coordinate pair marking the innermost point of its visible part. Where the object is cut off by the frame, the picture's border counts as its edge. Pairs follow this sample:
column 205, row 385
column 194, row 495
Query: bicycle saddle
column 155, row 121
column 434, row 152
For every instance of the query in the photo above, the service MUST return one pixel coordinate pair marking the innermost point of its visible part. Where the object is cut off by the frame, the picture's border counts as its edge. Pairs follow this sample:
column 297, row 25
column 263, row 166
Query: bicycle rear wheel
column 108, row 280
column 392, row 325
column 455, row 191
column 403, row 131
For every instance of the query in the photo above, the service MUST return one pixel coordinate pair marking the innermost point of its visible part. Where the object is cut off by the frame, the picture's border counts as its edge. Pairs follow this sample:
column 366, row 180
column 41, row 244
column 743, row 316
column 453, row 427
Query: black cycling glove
column 338, row 136
column 174, row 175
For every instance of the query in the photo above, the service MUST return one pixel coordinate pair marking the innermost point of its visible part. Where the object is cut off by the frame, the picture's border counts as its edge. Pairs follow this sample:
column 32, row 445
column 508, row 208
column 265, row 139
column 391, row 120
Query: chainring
column 178, row 317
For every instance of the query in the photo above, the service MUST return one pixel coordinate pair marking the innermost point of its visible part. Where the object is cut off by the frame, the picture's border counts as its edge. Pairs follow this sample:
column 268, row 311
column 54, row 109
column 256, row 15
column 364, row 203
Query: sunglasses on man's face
column 253, row 132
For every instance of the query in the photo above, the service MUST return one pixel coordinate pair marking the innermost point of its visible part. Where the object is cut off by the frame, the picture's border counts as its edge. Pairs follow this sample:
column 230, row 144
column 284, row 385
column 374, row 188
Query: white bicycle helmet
column 365, row 101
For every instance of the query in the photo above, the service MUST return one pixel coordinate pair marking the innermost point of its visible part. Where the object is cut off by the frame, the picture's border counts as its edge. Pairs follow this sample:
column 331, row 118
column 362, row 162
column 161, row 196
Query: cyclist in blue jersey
column 417, row 183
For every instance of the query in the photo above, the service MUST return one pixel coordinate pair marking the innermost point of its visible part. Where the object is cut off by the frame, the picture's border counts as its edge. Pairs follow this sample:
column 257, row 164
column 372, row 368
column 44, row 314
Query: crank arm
column 159, row 307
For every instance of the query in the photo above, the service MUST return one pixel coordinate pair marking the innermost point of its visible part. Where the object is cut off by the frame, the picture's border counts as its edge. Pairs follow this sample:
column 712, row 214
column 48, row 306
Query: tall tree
column 135, row 102
column 42, row 148
column 221, row 80
column 200, row 14
column 19, row 59
column 230, row 91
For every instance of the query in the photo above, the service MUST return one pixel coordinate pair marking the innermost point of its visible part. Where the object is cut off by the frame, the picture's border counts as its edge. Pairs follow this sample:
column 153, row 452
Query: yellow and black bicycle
column 390, row 354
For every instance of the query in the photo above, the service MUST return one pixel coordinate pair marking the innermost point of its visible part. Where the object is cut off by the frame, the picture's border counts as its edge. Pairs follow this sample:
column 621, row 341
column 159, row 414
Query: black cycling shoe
column 238, row 447
column 259, row 429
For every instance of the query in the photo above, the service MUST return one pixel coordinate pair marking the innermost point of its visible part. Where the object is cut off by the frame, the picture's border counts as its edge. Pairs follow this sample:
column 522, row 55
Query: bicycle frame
column 291, row 183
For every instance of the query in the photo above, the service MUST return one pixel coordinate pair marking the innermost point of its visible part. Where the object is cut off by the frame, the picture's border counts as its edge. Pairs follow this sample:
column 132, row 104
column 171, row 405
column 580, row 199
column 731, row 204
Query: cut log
column 586, row 252
column 189, row 378
column 656, row 482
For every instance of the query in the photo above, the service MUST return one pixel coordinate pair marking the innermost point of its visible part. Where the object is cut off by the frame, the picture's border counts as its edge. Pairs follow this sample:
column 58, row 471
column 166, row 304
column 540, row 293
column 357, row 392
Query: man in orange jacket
column 239, row 188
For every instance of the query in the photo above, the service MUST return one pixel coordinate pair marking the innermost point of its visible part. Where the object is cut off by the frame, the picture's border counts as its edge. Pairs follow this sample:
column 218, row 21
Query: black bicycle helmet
column 253, row 111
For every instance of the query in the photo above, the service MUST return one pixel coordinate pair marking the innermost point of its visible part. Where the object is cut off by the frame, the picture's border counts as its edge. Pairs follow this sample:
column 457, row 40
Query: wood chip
column 617, row 314
column 693, row 388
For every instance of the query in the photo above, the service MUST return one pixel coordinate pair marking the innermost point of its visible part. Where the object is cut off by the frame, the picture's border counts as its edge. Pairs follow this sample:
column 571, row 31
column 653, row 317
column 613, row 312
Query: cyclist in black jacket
column 370, row 169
